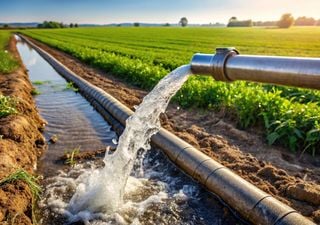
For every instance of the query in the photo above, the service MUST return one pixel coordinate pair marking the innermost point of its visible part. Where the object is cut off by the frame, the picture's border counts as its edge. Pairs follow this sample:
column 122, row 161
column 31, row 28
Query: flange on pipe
column 213, row 64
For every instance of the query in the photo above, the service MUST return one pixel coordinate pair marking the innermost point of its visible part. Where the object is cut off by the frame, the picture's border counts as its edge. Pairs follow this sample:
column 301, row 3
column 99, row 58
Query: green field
column 142, row 56
column 7, row 63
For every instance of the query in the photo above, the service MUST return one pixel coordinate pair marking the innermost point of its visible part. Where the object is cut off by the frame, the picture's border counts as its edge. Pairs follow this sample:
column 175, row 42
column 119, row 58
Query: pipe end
column 213, row 64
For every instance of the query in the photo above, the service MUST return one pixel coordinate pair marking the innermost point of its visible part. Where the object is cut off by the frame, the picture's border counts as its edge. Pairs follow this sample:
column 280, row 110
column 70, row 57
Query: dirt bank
column 273, row 169
column 21, row 143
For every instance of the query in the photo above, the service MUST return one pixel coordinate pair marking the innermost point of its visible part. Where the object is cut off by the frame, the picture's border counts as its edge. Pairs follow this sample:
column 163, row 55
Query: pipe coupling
column 213, row 64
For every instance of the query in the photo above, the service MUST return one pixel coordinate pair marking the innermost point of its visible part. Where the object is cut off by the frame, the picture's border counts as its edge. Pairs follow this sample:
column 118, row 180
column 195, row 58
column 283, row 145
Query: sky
column 152, row 11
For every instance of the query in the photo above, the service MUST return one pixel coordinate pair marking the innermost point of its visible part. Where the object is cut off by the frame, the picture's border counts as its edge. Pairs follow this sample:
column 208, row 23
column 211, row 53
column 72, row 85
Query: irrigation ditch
column 253, row 204
column 70, row 115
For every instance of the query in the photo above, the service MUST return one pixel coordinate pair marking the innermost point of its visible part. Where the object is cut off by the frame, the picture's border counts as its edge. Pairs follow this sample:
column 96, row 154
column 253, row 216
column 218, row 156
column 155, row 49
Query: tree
column 6, row 26
column 136, row 24
column 305, row 21
column 71, row 25
column 76, row 25
column 183, row 21
column 286, row 21
column 166, row 25
column 50, row 24
column 240, row 23
column 233, row 19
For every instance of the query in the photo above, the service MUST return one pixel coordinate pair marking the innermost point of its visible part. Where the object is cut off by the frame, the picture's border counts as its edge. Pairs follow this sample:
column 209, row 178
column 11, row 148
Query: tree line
column 286, row 21
column 54, row 24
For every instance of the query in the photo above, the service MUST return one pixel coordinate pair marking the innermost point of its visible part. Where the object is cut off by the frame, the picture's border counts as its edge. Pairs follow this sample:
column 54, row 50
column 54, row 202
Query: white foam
column 104, row 189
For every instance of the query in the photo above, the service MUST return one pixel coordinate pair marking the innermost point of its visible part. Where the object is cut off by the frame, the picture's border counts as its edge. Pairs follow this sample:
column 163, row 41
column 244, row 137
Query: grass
column 70, row 86
column 35, row 91
column 7, row 106
column 142, row 56
column 40, row 82
column 70, row 155
column 31, row 181
column 7, row 62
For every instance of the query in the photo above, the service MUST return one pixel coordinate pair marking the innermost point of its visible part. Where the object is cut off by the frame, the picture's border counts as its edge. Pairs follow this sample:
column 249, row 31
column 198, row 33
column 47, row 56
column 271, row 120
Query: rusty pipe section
column 228, row 65
column 253, row 204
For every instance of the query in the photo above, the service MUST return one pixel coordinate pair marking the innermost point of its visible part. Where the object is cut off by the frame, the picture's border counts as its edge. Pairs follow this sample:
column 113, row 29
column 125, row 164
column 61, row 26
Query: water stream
column 129, row 186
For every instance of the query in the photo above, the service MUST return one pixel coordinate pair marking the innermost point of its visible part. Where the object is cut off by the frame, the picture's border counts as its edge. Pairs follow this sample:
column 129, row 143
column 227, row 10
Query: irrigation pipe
column 252, row 203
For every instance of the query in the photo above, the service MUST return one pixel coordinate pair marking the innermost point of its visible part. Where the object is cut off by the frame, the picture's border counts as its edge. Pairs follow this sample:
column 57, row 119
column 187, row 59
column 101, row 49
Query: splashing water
column 104, row 189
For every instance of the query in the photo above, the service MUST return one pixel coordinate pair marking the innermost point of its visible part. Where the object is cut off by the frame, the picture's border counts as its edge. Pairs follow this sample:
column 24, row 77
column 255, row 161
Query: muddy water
column 157, row 193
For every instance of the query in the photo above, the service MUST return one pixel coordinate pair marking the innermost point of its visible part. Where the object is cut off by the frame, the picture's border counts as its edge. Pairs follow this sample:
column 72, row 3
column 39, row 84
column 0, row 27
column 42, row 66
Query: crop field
column 7, row 63
column 142, row 56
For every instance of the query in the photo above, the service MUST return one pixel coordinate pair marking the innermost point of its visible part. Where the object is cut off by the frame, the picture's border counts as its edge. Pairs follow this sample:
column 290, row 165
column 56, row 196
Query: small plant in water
column 70, row 86
column 31, row 181
column 70, row 156
column 40, row 82
column 35, row 92
column 7, row 106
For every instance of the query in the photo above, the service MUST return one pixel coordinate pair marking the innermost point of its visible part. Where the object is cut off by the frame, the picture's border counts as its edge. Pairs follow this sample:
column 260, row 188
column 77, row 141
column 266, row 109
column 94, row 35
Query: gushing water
column 104, row 189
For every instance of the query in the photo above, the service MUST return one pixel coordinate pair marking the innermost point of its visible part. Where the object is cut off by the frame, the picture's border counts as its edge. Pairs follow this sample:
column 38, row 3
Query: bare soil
column 290, row 178
column 21, row 143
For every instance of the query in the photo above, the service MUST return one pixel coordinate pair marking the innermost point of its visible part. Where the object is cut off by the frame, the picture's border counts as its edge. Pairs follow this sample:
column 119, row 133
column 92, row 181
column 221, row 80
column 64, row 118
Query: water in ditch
column 94, row 192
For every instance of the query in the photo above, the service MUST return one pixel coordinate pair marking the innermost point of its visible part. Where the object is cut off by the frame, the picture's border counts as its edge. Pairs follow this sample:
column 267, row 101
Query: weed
column 40, row 82
column 70, row 155
column 35, row 91
column 31, row 181
column 70, row 86
column 7, row 106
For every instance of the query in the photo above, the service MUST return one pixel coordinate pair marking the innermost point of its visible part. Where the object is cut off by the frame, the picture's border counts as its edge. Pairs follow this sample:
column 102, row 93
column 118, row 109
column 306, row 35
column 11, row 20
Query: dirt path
column 273, row 169
column 21, row 143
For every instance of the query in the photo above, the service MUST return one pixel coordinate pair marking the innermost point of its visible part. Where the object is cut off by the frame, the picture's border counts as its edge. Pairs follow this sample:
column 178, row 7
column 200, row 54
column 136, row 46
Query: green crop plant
column 31, row 181
column 7, row 106
column 142, row 56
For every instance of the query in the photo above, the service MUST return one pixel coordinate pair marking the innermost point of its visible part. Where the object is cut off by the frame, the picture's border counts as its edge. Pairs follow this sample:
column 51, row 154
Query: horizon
column 152, row 11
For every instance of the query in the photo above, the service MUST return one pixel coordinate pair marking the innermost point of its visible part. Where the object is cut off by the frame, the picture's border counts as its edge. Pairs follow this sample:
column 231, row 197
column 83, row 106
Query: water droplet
column 114, row 141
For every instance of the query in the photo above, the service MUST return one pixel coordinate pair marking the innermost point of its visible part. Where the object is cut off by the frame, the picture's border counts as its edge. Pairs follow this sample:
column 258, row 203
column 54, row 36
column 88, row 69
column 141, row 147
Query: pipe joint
column 213, row 64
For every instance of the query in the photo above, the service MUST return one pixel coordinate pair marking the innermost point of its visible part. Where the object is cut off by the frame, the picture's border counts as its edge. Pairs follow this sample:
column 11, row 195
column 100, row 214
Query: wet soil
column 290, row 178
column 21, row 143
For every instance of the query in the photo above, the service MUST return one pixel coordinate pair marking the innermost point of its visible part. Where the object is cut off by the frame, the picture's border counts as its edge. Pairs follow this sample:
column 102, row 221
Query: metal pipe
column 252, row 203
column 228, row 65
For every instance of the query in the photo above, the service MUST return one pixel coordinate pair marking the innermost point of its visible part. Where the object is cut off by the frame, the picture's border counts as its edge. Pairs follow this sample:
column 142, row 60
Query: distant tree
column 265, row 23
column 136, row 24
column 76, row 25
column 50, row 24
column 6, row 26
column 166, row 25
column 286, row 21
column 61, row 25
column 233, row 19
column 183, row 22
column 318, row 23
column 71, row 25
column 240, row 23
column 305, row 21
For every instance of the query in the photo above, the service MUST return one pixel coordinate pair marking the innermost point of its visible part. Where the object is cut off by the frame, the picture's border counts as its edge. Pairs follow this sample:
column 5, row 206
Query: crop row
column 290, row 115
